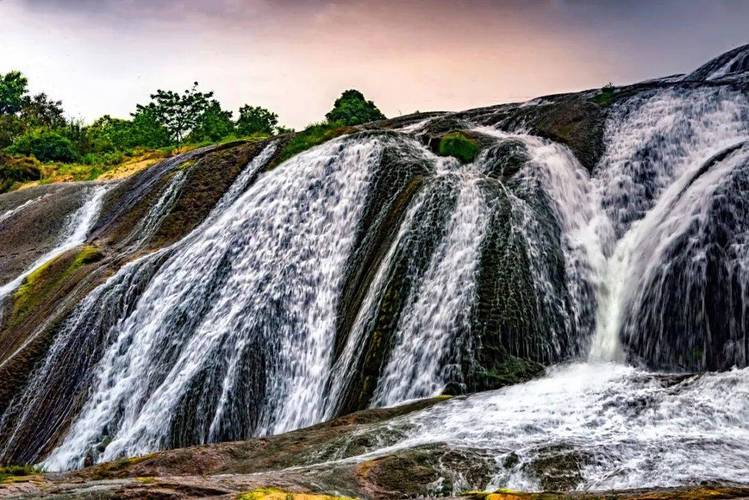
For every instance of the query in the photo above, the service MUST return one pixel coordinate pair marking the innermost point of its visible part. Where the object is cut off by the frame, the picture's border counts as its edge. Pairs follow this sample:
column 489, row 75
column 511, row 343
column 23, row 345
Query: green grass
column 46, row 279
column 310, row 137
column 605, row 96
column 12, row 473
column 458, row 145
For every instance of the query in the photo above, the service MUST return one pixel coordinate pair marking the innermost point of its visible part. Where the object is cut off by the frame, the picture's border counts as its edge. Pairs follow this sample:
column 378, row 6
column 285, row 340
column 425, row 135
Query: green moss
column 47, row 278
column 277, row 494
column 310, row 137
column 605, row 96
column 17, row 473
column 458, row 145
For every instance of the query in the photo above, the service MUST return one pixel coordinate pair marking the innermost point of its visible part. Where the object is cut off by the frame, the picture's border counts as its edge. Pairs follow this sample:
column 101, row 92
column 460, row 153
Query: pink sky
column 104, row 56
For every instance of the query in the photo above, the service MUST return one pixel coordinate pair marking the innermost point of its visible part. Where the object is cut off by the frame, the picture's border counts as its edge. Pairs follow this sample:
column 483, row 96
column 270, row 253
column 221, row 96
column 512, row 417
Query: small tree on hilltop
column 178, row 113
column 213, row 125
column 255, row 119
column 353, row 109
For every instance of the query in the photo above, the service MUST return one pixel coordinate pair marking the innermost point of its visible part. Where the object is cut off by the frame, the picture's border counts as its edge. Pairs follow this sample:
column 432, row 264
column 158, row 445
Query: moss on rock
column 47, row 279
column 278, row 494
column 312, row 136
column 458, row 145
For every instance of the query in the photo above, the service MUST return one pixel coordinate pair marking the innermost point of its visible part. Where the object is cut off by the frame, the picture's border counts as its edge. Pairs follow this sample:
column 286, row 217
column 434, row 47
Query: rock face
column 223, row 294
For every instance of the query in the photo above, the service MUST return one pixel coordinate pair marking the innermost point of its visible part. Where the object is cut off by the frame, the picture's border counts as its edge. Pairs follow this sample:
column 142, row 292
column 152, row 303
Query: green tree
column 40, row 111
column 212, row 125
column 10, row 127
column 353, row 109
column 255, row 119
column 147, row 131
column 13, row 87
column 177, row 112
column 45, row 145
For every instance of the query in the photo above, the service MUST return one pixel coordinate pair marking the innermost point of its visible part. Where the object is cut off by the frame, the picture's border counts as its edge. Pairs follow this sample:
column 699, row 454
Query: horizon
column 295, row 58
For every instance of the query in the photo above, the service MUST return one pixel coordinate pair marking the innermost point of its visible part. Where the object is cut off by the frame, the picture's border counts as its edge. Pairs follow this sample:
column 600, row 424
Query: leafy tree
column 13, row 87
column 10, row 127
column 255, row 119
column 212, row 125
column 40, row 111
column 147, row 131
column 45, row 145
column 353, row 109
column 178, row 113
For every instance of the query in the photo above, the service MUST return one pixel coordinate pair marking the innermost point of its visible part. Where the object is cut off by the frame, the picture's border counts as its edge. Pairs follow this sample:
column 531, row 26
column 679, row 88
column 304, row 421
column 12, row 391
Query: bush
column 13, row 170
column 353, row 109
column 255, row 119
column 605, row 96
column 458, row 145
column 312, row 136
column 45, row 145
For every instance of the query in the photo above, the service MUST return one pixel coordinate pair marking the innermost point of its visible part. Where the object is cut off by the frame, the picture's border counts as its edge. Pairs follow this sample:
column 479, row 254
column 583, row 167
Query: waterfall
column 148, row 226
column 646, row 185
column 248, row 326
column 75, row 232
column 604, row 426
column 220, row 314
column 438, row 306
column 8, row 214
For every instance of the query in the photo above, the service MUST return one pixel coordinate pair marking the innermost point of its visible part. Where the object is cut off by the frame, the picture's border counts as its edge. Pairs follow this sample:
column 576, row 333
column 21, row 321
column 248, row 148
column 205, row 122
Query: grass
column 46, row 279
column 605, row 96
column 310, row 137
column 458, row 145
column 18, row 473
column 276, row 494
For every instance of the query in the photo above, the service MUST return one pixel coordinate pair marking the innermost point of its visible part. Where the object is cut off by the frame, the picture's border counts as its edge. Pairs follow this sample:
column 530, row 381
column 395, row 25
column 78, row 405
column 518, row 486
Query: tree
column 146, row 130
column 353, row 109
column 177, row 113
column 45, row 145
column 255, row 119
column 212, row 125
column 13, row 87
column 40, row 111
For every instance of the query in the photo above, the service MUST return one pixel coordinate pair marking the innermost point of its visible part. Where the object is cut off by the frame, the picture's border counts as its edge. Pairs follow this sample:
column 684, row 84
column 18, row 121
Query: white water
column 75, row 232
column 629, row 428
column 148, row 226
column 20, row 208
column 439, row 305
column 681, row 132
column 256, row 287
column 269, row 237
column 622, row 426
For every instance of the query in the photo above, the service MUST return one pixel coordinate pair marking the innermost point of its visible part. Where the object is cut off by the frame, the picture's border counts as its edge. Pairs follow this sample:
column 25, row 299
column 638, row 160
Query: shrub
column 45, row 145
column 605, row 96
column 310, row 137
column 14, row 170
column 255, row 119
column 353, row 109
column 458, row 145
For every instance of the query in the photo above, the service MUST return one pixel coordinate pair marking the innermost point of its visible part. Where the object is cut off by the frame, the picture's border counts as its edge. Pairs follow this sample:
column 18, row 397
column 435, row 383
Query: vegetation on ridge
column 37, row 142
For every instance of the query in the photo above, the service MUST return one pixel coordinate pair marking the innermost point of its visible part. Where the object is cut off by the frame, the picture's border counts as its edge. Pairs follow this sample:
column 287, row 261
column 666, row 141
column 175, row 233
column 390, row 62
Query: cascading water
column 76, row 230
column 9, row 214
column 269, row 237
column 438, row 305
column 669, row 155
column 522, row 258
column 155, row 216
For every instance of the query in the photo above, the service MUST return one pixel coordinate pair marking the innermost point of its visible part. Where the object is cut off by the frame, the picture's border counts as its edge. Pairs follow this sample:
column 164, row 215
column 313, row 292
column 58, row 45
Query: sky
column 295, row 57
